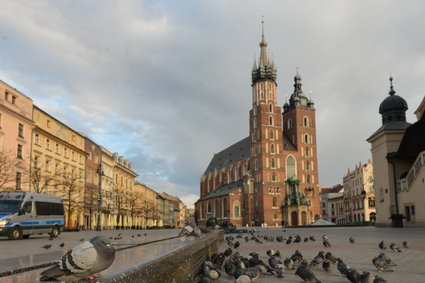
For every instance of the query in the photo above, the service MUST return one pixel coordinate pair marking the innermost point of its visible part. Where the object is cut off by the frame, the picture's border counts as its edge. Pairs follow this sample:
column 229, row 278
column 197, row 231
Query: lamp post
column 99, row 200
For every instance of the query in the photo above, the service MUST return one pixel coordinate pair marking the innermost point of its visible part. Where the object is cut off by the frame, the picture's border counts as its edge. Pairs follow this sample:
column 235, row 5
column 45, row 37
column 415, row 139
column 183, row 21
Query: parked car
column 23, row 214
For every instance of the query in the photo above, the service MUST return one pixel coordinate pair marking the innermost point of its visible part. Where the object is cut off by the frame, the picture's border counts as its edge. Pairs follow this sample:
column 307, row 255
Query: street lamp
column 99, row 171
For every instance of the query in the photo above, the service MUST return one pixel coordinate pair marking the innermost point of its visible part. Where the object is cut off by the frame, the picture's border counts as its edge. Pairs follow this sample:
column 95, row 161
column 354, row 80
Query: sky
column 167, row 84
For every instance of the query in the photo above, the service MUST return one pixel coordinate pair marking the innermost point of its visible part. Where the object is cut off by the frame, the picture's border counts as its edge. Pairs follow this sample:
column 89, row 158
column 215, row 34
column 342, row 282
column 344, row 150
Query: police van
column 23, row 214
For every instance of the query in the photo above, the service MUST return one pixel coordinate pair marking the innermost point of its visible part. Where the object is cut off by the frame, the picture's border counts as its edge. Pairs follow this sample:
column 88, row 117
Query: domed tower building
column 398, row 153
column 270, row 177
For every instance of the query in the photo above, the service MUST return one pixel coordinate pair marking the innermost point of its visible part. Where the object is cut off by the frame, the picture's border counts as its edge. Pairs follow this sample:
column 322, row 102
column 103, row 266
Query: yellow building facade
column 58, row 164
column 147, row 204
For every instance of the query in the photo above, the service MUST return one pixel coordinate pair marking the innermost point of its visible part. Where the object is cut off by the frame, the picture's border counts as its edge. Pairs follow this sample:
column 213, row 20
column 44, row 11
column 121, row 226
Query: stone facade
column 15, row 139
column 269, row 178
column 359, row 194
column 58, row 164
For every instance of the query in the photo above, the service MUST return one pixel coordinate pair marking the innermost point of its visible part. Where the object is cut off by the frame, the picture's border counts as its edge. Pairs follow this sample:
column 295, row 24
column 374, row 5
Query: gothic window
column 271, row 120
column 291, row 167
column 270, row 106
column 236, row 209
column 275, row 202
column 216, row 210
column 209, row 207
column 306, row 138
column 271, row 134
column 305, row 122
column 224, row 207
column 273, row 177
column 273, row 163
column 256, row 164
column 308, row 179
column 272, row 148
column 201, row 211
column 307, row 152
column 275, row 215
column 289, row 123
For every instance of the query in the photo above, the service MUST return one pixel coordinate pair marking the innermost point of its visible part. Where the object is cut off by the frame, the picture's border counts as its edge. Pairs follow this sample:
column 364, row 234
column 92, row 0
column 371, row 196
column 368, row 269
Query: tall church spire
column 265, row 70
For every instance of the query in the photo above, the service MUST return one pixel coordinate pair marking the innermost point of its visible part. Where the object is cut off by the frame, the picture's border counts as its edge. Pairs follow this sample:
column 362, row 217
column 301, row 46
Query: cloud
column 167, row 84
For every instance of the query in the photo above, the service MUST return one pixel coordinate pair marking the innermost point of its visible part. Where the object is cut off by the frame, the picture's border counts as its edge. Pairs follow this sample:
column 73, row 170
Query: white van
column 23, row 214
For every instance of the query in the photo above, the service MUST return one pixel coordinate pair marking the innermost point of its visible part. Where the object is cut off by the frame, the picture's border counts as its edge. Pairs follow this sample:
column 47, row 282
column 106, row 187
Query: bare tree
column 72, row 192
column 9, row 163
column 41, row 178
column 120, row 201
column 134, row 204
column 91, row 195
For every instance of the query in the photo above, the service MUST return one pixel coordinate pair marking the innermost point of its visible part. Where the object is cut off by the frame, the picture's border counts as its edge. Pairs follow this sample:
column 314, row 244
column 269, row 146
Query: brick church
column 269, row 177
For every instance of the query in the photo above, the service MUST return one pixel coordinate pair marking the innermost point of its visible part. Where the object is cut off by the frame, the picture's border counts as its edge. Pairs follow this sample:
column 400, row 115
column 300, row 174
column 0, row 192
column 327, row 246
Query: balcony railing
column 404, row 184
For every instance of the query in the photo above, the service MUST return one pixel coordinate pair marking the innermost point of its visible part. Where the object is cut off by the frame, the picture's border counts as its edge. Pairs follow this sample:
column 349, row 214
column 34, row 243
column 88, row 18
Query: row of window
column 10, row 97
column 57, row 148
column 290, row 124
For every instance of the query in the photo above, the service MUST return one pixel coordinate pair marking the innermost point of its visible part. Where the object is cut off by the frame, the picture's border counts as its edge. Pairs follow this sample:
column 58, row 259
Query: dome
column 393, row 103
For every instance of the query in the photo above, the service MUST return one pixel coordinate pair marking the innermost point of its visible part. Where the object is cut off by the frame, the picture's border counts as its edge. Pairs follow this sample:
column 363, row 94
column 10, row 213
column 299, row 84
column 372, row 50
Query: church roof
column 224, row 190
column 234, row 153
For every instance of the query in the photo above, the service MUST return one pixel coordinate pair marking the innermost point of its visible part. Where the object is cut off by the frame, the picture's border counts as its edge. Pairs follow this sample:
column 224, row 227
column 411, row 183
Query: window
column 289, row 123
column 273, row 163
column 270, row 108
column 308, row 167
column 275, row 202
column 37, row 139
column 305, row 122
column 47, row 144
column 306, row 138
column 21, row 130
column 48, row 123
column 273, row 177
column 271, row 120
column 14, row 99
column 6, row 95
column 65, row 152
column 236, row 210
column 36, row 161
column 57, row 148
column 272, row 148
column 307, row 152
column 271, row 134
column 224, row 207
column 291, row 167
column 209, row 207
column 48, row 165
column 18, row 181
column 81, row 158
column 19, row 154
column 73, row 156
column 48, row 208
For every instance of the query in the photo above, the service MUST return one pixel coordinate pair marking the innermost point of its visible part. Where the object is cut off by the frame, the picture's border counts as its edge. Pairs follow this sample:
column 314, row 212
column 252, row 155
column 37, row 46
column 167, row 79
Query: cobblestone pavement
column 410, row 262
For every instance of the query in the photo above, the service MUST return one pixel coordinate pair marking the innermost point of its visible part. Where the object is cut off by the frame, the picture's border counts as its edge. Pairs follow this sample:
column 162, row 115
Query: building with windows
column 109, row 212
column 398, row 154
column 148, row 203
column 329, row 212
column 58, row 164
column 270, row 177
column 335, row 208
column 359, row 194
column 91, row 184
column 123, row 190
column 15, row 138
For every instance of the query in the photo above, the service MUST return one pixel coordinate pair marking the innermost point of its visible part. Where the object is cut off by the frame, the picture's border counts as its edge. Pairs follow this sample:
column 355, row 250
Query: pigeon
column 205, row 279
column 139, row 235
column 342, row 267
column 351, row 240
column 353, row 276
column 381, row 264
column 270, row 252
column 132, row 236
column 289, row 264
column 395, row 248
column 306, row 239
column 146, row 234
column 387, row 259
column 330, row 257
column 236, row 245
column 306, row 274
column 228, row 252
column 253, row 272
column 83, row 261
column 62, row 245
column 210, row 271
column 82, row 239
column 405, row 244
column 379, row 279
column 326, row 265
column 117, row 238
column 365, row 277
column 312, row 238
column 119, row 235
column 289, row 240
column 326, row 244
column 382, row 245
column 46, row 246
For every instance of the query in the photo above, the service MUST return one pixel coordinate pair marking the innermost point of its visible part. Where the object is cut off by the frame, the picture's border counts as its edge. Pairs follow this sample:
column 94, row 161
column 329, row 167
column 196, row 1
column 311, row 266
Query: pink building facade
column 15, row 139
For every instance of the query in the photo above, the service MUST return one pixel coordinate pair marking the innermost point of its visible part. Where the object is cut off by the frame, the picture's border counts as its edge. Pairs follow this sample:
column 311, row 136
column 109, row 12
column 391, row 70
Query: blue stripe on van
column 3, row 215
column 55, row 222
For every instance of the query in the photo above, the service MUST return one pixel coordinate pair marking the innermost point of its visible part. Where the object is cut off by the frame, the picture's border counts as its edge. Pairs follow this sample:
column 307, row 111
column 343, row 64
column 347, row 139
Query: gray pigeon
column 365, row 277
column 343, row 268
column 353, row 276
column 83, row 261
column 395, row 248
column 306, row 274
column 351, row 240
column 379, row 279
column 381, row 264
column 326, row 265
column 405, row 244
column 382, row 245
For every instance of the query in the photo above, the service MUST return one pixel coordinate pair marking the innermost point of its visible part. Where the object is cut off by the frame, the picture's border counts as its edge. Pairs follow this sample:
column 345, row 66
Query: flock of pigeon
column 249, row 269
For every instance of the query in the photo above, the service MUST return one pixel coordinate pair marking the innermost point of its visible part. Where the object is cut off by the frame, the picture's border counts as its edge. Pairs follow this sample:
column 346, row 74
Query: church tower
column 299, row 126
column 266, row 142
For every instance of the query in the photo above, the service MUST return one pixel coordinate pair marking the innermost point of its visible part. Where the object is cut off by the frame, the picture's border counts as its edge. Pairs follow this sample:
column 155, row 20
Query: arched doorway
column 294, row 218
column 303, row 218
